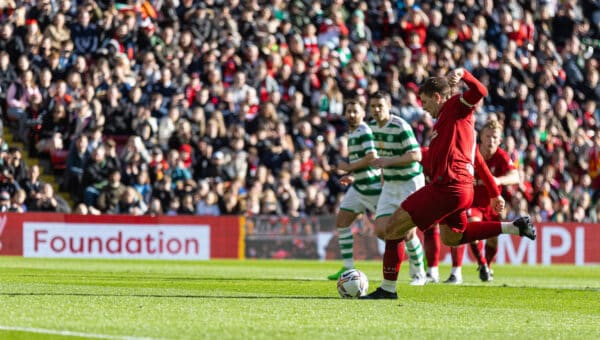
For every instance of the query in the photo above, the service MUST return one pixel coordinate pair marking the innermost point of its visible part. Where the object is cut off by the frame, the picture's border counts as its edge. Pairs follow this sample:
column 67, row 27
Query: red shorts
column 483, row 213
column 440, row 203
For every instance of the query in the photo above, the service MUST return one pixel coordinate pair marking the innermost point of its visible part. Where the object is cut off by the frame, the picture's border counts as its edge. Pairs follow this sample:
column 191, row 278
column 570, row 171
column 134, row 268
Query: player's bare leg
column 399, row 224
column 450, row 237
column 343, row 221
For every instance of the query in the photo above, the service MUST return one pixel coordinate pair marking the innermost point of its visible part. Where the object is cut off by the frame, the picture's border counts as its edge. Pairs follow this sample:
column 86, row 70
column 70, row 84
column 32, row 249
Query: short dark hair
column 381, row 95
column 435, row 84
column 352, row 101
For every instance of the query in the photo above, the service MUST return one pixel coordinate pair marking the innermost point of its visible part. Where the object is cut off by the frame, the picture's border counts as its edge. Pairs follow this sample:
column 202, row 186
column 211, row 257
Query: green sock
column 415, row 255
column 346, row 241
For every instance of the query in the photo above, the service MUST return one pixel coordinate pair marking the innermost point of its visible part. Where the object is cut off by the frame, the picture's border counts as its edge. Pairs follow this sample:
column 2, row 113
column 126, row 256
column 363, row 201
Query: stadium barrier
column 204, row 237
column 315, row 238
column 121, row 236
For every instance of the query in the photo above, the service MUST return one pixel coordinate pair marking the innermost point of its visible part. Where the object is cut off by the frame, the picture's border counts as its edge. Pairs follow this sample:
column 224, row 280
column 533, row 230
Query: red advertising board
column 200, row 237
column 121, row 236
column 556, row 243
column 568, row 243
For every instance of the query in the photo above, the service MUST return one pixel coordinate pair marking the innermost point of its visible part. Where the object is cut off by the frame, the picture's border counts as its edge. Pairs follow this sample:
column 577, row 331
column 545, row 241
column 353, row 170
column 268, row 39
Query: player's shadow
column 173, row 296
column 174, row 278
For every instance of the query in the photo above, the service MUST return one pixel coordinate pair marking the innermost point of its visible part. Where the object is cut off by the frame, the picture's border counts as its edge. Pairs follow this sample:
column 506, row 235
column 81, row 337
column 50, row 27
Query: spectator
column 95, row 175
column 5, row 204
column 57, row 31
column 7, row 74
column 247, row 94
column 112, row 193
column 7, row 182
column 32, row 185
column 115, row 112
column 84, row 34
column 163, row 191
column 54, row 131
column 18, row 97
column 155, row 208
column 18, row 202
column 131, row 203
column 84, row 120
column 270, row 204
column 14, row 163
column 187, row 205
column 77, row 158
column 13, row 44
column 208, row 205
column 46, row 201
column 142, row 186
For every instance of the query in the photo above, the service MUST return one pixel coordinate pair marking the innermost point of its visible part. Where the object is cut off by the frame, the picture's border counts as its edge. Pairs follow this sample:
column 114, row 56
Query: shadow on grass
column 172, row 278
column 251, row 297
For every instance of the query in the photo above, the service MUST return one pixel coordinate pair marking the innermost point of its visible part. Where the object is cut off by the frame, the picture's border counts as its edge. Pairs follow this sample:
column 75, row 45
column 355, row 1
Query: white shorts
column 394, row 193
column 358, row 203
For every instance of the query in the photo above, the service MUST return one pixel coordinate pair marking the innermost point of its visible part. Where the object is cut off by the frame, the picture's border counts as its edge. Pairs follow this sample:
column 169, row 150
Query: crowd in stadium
column 230, row 107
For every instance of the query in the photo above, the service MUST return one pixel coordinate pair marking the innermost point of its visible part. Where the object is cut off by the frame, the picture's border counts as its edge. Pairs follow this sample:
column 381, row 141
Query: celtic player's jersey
column 395, row 139
column 367, row 180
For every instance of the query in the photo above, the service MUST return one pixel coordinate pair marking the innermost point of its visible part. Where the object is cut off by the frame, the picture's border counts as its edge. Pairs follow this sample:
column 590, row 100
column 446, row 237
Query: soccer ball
column 352, row 284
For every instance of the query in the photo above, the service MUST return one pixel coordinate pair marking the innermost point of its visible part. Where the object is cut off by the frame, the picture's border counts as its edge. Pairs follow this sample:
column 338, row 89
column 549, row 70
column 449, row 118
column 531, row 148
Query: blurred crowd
column 230, row 107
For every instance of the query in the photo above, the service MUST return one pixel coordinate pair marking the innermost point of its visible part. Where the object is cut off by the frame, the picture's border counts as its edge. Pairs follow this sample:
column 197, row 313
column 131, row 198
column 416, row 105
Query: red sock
column 431, row 242
column 394, row 252
column 490, row 252
column 480, row 231
column 477, row 249
column 458, row 253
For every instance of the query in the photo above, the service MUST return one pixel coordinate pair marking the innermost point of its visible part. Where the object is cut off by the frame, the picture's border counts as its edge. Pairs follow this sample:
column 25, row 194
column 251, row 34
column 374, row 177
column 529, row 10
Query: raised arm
column 476, row 89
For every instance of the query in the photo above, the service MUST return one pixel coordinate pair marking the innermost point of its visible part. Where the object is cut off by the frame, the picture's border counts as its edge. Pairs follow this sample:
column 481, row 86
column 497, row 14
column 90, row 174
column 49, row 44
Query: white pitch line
column 68, row 333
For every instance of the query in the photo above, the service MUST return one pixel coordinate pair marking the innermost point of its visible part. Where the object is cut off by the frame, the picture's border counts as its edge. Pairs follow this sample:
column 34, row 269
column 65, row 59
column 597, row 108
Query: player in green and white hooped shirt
column 398, row 155
column 366, row 181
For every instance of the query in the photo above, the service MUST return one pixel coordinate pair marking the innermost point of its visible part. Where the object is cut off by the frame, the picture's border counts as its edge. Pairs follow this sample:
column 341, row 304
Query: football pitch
column 67, row 299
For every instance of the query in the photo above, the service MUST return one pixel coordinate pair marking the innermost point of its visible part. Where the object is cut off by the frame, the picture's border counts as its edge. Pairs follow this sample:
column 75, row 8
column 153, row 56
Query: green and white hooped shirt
column 395, row 139
column 367, row 180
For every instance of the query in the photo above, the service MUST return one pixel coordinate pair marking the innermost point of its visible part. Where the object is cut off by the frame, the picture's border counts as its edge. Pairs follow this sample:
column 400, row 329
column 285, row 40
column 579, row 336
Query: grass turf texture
column 288, row 299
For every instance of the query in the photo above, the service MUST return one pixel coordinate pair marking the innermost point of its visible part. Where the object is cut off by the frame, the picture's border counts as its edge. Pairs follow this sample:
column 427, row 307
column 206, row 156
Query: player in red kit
column 447, row 197
column 505, row 173
column 431, row 236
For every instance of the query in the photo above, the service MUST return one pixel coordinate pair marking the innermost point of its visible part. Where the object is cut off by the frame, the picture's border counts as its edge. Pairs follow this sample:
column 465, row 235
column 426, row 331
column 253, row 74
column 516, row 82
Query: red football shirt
column 499, row 164
column 481, row 169
column 452, row 147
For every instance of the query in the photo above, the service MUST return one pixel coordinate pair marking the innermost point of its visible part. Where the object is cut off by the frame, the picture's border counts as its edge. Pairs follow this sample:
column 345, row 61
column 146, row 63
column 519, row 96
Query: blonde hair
column 492, row 124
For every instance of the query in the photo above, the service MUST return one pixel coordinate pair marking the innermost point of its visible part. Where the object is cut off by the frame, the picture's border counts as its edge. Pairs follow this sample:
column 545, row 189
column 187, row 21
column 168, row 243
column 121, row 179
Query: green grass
column 288, row 299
